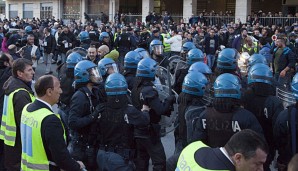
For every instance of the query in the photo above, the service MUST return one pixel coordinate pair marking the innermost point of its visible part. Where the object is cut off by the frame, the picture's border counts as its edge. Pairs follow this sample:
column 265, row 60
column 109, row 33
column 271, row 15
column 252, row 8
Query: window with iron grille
column 13, row 10
column 46, row 10
column 71, row 9
column 28, row 10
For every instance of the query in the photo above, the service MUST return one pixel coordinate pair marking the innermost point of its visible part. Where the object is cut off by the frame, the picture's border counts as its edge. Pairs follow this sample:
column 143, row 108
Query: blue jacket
column 265, row 51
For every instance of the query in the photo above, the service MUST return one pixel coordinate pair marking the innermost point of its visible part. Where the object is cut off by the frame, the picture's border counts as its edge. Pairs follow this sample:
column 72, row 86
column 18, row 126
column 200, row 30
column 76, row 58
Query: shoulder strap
column 85, row 91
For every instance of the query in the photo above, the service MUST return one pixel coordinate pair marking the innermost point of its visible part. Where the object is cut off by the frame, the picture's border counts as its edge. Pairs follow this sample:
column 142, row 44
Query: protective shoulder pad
column 149, row 92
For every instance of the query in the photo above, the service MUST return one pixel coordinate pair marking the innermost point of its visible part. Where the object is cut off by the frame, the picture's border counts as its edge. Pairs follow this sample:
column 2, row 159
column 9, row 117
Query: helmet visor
column 112, row 68
column 95, row 77
column 158, row 49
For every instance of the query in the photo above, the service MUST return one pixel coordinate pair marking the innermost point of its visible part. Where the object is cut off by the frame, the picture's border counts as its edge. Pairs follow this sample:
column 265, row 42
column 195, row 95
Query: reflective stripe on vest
column 34, row 156
column 187, row 161
column 166, row 45
column 8, row 128
column 248, row 49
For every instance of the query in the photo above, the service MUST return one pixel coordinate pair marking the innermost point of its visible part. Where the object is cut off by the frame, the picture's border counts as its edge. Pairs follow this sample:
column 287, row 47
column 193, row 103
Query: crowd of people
column 225, row 76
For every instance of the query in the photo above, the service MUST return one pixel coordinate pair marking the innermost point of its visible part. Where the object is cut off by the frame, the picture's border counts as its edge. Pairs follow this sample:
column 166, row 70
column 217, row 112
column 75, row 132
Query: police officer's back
column 148, row 138
column 218, row 123
column 190, row 105
column 116, row 126
column 84, row 40
column 259, row 100
column 285, row 130
column 227, row 62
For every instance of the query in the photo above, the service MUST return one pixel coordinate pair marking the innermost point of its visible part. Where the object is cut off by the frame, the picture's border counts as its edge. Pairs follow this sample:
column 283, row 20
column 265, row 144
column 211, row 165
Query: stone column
column 147, row 6
column 242, row 9
column 189, row 8
column 113, row 8
column 83, row 9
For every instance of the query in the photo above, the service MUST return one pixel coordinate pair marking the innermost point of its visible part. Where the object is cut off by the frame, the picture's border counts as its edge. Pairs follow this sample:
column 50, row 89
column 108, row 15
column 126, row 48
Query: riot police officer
column 186, row 47
column 218, row 123
column 285, row 130
column 190, row 105
column 255, row 59
column 227, row 62
column 66, row 77
column 83, row 113
column 131, row 61
column 116, row 125
column 84, row 39
column 104, row 39
column 142, row 52
column 148, row 137
column 259, row 100
column 107, row 66
column 194, row 55
column 156, row 51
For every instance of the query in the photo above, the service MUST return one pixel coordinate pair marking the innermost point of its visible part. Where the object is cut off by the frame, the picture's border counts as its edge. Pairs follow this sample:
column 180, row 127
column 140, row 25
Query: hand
column 283, row 73
column 171, row 99
column 145, row 107
column 98, row 109
column 82, row 166
column 70, row 45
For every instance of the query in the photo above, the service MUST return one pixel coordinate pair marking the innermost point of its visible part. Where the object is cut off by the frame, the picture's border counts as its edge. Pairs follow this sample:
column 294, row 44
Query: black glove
column 98, row 109
column 171, row 99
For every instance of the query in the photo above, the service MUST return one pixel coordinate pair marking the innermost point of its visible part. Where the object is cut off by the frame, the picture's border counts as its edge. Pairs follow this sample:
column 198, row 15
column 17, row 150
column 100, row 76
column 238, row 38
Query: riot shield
column 167, row 122
column 180, row 65
column 173, row 61
column 192, row 116
column 162, row 75
column 285, row 96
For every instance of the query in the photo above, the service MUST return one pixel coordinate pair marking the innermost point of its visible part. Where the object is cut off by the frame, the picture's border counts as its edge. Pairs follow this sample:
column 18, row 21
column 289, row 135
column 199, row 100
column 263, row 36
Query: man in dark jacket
column 49, row 45
column 67, row 41
column 18, row 93
column 211, row 47
column 283, row 62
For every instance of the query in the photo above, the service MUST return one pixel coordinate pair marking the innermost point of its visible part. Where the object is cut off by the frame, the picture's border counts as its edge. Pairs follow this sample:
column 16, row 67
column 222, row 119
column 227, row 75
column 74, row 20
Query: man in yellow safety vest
column 18, row 93
column 42, row 132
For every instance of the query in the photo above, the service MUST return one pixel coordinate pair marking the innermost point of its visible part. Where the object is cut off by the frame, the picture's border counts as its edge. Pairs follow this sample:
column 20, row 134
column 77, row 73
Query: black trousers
column 146, row 149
